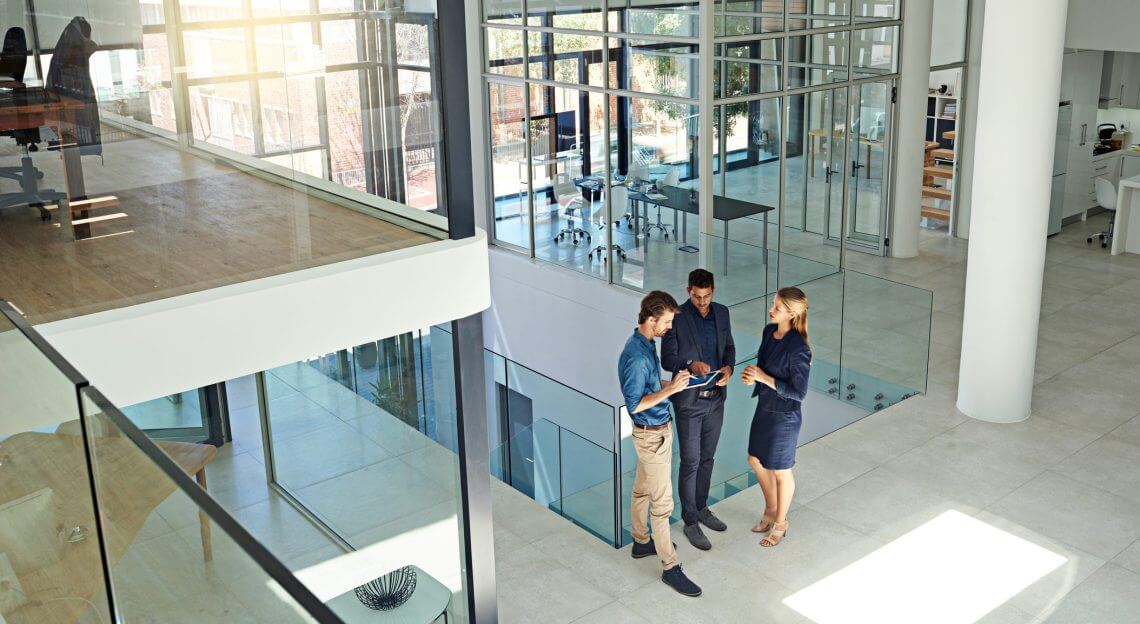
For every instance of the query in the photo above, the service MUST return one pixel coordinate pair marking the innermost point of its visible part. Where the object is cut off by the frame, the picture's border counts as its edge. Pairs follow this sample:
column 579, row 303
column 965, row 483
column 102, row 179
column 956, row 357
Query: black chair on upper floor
column 13, row 64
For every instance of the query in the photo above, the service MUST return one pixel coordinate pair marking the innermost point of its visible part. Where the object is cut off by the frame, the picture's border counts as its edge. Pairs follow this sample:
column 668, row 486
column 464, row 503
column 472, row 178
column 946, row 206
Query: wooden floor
column 192, row 225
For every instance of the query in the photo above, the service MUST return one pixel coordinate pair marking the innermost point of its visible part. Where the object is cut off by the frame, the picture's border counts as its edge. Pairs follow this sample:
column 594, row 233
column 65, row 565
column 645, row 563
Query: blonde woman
column 781, row 378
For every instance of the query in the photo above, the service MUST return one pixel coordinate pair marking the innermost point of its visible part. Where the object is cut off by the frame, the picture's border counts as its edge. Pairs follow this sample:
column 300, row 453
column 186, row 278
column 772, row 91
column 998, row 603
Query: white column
column 914, row 78
column 1021, row 53
column 705, row 128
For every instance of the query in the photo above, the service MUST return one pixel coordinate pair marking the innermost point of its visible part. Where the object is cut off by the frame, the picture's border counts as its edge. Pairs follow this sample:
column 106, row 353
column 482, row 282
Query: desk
column 548, row 160
column 820, row 134
column 427, row 603
column 684, row 200
column 1126, row 226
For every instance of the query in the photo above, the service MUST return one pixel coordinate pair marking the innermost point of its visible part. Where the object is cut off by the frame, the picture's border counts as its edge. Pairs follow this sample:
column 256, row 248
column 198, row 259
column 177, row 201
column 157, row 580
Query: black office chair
column 13, row 64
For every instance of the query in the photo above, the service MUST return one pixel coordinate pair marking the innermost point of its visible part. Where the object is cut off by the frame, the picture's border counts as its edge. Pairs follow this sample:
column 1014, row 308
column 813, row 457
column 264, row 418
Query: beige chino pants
column 653, row 491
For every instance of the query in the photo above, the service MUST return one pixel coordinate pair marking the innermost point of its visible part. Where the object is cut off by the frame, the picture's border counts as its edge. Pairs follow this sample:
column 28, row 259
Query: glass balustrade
column 99, row 523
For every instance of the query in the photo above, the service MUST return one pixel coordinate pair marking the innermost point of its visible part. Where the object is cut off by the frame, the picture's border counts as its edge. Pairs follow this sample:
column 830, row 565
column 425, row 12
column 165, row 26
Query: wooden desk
column 819, row 134
column 132, row 487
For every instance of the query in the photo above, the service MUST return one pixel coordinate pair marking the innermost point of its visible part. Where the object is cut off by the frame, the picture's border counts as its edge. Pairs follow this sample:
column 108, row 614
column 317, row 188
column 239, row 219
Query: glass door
column 869, row 144
column 829, row 135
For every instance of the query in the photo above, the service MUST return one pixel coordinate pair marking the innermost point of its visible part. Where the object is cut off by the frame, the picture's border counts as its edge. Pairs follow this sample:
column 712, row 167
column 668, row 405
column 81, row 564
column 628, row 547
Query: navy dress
column 776, row 424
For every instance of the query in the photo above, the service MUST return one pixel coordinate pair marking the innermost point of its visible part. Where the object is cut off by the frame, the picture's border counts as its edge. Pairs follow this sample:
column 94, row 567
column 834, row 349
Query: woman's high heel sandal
column 779, row 530
column 764, row 525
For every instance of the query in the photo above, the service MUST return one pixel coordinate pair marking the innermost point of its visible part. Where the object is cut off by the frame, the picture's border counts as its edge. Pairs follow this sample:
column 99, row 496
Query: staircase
column 937, row 178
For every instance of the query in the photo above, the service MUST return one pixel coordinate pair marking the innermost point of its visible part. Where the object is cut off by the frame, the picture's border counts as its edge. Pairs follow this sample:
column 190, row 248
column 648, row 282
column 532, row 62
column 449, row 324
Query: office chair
column 13, row 64
column 1106, row 198
column 672, row 178
column 570, row 200
column 620, row 199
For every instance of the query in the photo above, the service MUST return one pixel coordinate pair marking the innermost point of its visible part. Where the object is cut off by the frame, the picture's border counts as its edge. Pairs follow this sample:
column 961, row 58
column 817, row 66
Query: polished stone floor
column 1060, row 485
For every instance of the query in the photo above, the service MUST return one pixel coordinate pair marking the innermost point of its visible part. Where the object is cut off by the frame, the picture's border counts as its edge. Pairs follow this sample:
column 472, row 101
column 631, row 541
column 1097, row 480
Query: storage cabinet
column 1120, row 80
column 1081, row 74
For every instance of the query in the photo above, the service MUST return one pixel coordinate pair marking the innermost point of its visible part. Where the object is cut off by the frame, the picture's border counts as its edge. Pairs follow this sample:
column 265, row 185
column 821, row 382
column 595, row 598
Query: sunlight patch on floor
column 952, row 570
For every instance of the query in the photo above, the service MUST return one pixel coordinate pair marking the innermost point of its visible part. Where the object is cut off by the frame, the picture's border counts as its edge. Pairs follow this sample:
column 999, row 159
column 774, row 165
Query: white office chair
column 1106, row 198
column 570, row 201
column 672, row 177
column 620, row 202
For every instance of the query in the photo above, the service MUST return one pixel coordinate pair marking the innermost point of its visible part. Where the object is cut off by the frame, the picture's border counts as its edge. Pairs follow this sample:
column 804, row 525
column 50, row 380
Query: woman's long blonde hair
column 797, row 302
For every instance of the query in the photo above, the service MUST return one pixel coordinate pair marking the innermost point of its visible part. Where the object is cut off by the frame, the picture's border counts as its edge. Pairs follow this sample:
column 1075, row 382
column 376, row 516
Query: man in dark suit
column 700, row 342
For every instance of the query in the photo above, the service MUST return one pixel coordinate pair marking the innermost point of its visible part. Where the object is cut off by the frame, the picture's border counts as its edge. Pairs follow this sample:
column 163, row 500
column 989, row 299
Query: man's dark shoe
column 675, row 578
column 697, row 536
column 709, row 519
column 646, row 549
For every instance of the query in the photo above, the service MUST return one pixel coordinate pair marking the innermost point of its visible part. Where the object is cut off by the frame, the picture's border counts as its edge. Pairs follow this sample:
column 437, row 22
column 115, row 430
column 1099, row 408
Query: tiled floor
column 1064, row 480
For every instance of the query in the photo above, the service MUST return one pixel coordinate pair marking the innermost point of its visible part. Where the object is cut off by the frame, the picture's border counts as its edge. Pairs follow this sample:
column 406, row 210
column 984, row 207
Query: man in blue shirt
column 700, row 342
column 639, row 371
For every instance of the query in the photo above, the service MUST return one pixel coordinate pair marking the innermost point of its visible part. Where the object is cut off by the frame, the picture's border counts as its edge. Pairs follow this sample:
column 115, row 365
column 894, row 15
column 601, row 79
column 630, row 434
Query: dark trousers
column 698, row 431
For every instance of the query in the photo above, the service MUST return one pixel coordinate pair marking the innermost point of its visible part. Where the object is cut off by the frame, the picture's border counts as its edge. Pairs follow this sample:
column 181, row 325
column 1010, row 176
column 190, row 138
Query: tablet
column 704, row 380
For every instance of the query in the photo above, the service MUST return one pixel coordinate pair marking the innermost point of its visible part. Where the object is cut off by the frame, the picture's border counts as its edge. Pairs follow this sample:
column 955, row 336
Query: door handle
column 1084, row 133
column 855, row 167
column 827, row 173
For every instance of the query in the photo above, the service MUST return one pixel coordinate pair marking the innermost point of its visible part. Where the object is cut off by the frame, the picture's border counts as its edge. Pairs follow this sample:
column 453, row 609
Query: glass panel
column 209, row 11
column 588, row 484
column 679, row 18
column 222, row 115
column 339, row 42
column 508, row 164
column 804, row 14
column 875, row 51
column 162, row 547
column 216, row 52
column 575, row 14
column 948, row 41
column 290, row 116
column 180, row 416
column 869, row 138
column 503, row 11
column 576, row 60
column 286, row 47
column 273, row 8
column 343, row 110
column 886, row 340
column 747, row 18
column 656, row 145
column 817, row 59
column 368, row 444
column 505, row 51
column 568, row 217
column 49, row 550
column 422, row 138
column 813, row 185
column 751, row 68
column 872, row 10
column 412, row 44
column 660, row 68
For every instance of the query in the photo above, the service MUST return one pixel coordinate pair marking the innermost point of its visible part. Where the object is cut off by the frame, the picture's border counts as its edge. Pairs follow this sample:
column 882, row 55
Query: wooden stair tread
column 935, row 213
column 939, row 171
column 936, row 192
column 950, row 135
column 943, row 154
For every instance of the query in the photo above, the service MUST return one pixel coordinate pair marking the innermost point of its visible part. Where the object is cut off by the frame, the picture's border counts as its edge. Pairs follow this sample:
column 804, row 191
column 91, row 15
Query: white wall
column 153, row 349
column 1103, row 25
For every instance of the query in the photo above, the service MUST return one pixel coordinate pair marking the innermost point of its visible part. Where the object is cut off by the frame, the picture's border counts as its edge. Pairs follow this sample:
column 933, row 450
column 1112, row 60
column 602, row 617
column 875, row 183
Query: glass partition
column 242, row 139
column 50, row 561
column 167, row 542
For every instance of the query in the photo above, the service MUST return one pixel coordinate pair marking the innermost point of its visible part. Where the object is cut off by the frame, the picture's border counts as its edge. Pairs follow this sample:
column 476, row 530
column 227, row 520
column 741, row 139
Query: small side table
column 428, row 602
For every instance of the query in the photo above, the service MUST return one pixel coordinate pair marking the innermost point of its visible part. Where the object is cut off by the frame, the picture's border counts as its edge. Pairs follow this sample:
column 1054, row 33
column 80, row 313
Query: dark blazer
column 682, row 343
column 788, row 360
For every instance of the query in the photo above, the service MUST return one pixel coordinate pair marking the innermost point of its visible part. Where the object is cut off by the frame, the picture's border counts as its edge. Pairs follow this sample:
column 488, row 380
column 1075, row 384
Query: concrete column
column 1021, row 53
column 705, row 128
column 914, row 79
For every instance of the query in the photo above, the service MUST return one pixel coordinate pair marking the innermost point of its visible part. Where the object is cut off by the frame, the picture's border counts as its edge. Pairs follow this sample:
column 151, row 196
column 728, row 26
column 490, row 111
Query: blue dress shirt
column 639, row 371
